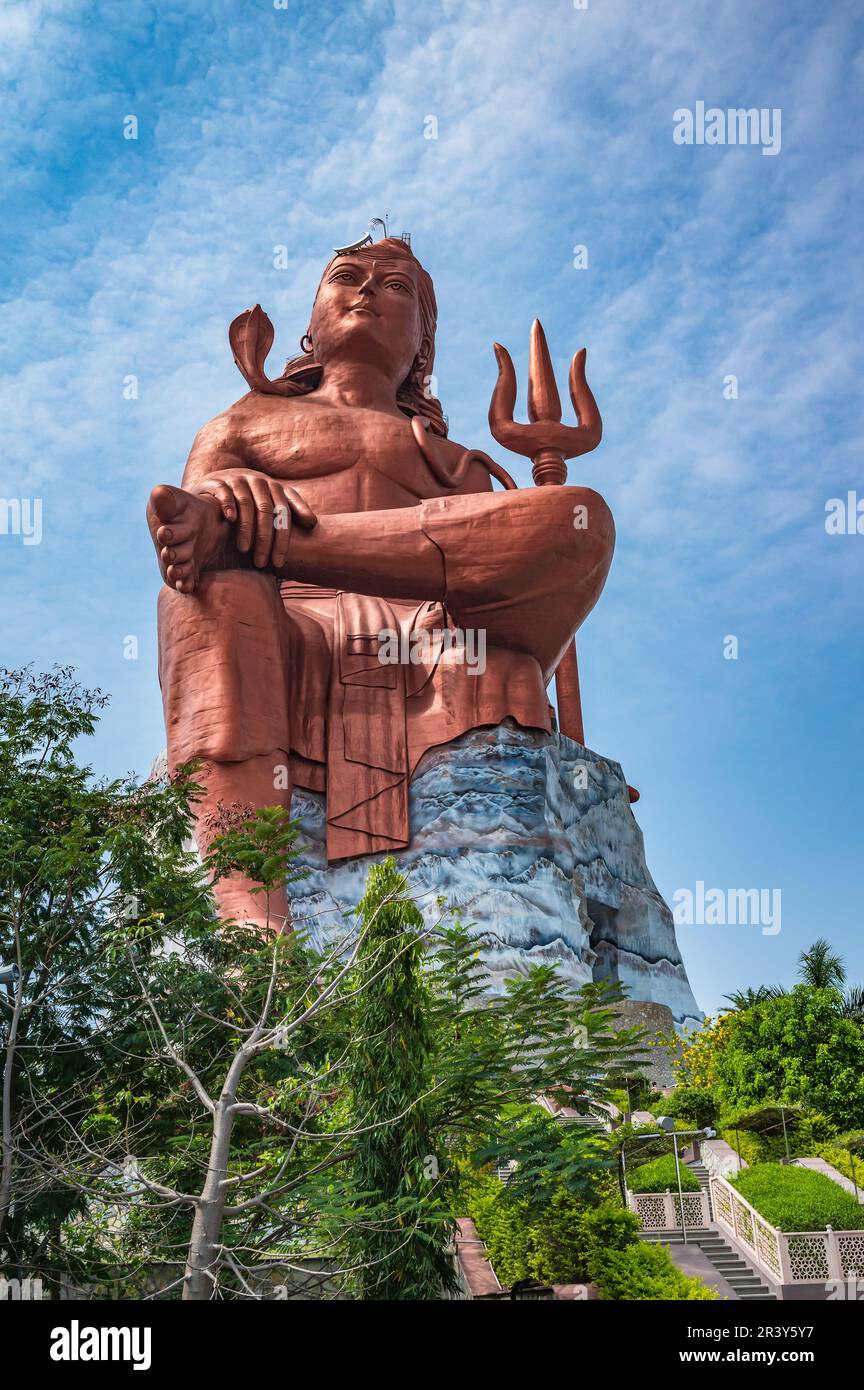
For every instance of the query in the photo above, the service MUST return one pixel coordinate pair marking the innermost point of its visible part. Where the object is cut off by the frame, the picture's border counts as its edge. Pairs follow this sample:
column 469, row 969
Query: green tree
column 399, row 1247
column 821, row 967
column 800, row 1047
column 454, row 1070
column 741, row 999
column 166, row 1077
column 77, row 857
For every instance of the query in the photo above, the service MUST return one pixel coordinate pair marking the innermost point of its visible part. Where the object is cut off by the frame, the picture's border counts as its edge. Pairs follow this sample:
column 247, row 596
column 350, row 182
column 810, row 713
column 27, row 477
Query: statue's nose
column 370, row 284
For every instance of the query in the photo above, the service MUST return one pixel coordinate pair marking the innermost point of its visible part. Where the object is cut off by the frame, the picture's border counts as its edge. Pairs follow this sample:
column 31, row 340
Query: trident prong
column 545, row 440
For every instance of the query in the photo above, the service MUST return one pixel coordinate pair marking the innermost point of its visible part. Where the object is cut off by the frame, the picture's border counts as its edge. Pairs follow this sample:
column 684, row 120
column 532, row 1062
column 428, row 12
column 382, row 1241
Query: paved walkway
column 818, row 1165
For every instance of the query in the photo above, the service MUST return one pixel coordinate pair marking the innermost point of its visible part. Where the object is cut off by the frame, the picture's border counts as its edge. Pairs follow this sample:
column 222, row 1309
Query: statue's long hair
column 412, row 397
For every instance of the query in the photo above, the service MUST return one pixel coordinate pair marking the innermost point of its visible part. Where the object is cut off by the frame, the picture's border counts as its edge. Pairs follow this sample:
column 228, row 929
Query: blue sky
column 260, row 127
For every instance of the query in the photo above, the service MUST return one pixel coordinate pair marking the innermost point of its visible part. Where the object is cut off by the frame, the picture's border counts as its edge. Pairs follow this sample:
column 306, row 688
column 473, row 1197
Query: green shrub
column 567, row 1237
column 621, row 1099
column 553, row 1242
column 806, row 1133
column 796, row 1199
column 660, row 1175
column 502, row 1222
column 692, row 1103
column 642, row 1272
column 758, row 1148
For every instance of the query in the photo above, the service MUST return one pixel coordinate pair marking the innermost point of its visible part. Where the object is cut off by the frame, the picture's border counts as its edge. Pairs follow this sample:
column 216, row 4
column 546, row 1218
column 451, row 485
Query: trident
column 548, row 443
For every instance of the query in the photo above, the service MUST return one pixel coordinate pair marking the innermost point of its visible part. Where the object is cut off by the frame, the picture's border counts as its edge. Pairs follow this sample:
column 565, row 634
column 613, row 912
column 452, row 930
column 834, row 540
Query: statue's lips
column 364, row 309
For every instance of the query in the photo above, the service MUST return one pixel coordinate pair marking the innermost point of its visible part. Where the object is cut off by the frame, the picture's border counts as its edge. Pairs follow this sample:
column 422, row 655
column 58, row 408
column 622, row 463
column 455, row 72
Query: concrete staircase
column 701, row 1172
column 739, row 1275
column 734, row 1267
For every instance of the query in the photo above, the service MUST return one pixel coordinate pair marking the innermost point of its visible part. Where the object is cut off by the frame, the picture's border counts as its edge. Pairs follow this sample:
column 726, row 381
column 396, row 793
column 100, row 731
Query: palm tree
column 853, row 1003
column 742, row 999
column 820, row 967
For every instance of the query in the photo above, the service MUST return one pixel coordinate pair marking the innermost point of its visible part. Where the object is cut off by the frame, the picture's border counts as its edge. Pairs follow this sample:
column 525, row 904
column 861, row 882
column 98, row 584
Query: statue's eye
column 346, row 275
column 396, row 285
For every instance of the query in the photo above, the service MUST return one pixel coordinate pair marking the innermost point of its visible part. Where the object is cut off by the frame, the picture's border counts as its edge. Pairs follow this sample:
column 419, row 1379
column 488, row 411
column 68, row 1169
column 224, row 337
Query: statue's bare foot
column 188, row 533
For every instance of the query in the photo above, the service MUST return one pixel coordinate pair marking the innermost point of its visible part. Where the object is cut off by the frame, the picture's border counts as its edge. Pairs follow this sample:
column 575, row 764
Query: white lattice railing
column 787, row 1257
column 720, row 1158
column 661, row 1211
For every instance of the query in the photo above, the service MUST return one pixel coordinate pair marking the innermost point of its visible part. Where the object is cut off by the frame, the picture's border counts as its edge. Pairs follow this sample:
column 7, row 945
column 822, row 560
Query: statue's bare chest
column 313, row 446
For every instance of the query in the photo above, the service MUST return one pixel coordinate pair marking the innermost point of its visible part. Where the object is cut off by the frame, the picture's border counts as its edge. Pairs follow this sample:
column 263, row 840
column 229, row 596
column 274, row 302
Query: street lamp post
column 667, row 1127
column 667, row 1124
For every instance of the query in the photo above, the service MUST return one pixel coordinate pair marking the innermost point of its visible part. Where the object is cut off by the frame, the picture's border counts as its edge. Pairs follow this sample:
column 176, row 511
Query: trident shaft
column 548, row 444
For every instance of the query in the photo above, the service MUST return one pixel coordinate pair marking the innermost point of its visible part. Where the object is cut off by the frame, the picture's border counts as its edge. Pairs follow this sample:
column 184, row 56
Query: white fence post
column 835, row 1269
column 783, row 1257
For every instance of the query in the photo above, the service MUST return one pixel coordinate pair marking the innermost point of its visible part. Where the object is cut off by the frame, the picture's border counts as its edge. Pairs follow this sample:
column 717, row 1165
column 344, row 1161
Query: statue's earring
column 306, row 344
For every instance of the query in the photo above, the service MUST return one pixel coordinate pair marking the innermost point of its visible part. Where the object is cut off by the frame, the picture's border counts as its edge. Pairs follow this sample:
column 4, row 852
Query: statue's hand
column 264, row 509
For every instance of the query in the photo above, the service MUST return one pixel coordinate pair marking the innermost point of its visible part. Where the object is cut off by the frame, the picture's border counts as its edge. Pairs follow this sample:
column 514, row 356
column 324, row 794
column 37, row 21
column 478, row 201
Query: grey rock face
column 532, row 838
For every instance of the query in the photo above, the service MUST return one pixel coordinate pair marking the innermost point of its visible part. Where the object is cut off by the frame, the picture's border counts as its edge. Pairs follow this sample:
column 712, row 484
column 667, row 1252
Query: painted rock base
column 532, row 838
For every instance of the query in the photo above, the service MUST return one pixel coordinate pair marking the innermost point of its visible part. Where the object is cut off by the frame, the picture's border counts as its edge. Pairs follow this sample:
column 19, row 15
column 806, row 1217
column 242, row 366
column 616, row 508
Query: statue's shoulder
column 245, row 416
column 229, row 434
column 222, row 430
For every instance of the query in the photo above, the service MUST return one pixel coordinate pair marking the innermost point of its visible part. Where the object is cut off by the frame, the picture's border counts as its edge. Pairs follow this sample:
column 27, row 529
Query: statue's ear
column 420, row 365
column 251, row 337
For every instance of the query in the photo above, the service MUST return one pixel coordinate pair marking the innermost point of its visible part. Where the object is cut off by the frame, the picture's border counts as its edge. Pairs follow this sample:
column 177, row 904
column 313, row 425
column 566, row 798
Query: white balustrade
column 661, row 1211
column 787, row 1257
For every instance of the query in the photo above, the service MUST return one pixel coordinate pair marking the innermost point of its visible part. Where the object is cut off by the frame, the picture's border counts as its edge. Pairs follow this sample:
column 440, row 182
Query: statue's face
column 368, row 307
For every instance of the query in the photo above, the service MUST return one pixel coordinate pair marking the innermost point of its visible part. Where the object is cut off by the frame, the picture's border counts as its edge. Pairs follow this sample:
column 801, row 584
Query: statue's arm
column 261, row 509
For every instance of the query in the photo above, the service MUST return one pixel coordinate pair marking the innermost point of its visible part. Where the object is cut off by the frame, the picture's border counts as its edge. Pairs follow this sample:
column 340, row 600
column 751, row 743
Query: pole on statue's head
column 549, row 443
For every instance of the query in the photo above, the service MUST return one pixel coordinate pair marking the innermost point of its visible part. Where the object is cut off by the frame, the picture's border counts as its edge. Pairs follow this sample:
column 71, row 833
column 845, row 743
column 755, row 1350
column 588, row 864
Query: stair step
column 733, row 1267
column 670, row 1237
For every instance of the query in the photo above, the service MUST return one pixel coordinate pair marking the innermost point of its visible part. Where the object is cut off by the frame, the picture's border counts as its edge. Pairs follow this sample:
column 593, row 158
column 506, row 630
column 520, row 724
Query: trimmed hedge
column 660, row 1175
column 797, row 1199
column 645, row 1273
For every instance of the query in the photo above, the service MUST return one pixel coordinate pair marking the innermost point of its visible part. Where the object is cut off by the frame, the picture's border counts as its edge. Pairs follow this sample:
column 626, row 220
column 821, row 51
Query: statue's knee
column 581, row 509
column 575, row 521
column 226, row 597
